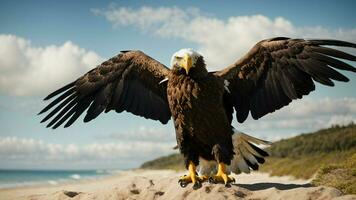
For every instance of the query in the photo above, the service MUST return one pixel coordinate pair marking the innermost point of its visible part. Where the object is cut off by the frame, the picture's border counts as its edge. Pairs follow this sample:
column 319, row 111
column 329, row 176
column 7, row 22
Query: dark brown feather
column 333, row 62
column 61, row 113
column 81, row 106
column 57, row 100
column 202, row 123
column 59, row 107
column 276, row 71
column 60, row 90
column 128, row 81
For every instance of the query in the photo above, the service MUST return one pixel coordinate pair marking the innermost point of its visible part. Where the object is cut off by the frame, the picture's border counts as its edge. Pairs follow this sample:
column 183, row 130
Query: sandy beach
column 162, row 184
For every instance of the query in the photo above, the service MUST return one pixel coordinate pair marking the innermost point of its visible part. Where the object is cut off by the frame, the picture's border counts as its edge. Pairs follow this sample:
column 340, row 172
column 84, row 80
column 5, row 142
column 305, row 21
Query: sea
column 18, row 178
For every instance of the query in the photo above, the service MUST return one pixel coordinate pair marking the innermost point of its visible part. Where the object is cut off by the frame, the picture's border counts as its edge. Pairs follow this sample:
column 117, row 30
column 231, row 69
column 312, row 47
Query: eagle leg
column 221, row 176
column 192, row 177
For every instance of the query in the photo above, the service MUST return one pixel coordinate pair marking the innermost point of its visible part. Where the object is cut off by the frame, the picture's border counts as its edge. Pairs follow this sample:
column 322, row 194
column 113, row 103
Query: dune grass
column 305, row 166
column 341, row 176
column 173, row 161
column 303, row 155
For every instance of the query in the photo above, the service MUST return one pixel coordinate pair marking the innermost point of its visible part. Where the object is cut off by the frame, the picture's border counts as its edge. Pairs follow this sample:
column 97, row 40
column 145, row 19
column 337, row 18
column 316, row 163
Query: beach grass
column 341, row 176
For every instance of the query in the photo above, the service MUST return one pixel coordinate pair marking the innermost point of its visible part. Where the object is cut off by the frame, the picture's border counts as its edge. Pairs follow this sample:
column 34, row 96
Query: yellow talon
column 221, row 176
column 203, row 178
column 192, row 177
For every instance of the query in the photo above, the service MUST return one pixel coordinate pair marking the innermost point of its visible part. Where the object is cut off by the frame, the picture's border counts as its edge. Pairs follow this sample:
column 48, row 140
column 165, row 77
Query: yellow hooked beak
column 186, row 63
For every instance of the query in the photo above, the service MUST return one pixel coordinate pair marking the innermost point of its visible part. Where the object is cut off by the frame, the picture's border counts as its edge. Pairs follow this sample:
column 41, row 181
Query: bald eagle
column 201, row 103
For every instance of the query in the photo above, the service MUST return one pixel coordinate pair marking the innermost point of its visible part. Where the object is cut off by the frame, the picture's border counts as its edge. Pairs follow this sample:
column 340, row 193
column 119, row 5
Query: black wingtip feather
column 324, row 81
column 56, row 101
column 333, row 43
column 59, row 107
column 60, row 90
column 87, row 118
column 259, row 159
column 43, row 120
column 259, row 150
column 253, row 166
column 65, row 117
column 59, row 117
column 333, row 62
column 80, row 108
column 333, row 52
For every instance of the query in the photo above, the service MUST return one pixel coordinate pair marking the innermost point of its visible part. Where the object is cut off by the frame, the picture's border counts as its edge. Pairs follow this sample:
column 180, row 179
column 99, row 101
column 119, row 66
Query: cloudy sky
column 45, row 44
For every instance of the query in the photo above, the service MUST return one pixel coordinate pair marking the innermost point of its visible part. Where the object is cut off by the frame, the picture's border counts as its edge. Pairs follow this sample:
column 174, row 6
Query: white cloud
column 29, row 70
column 220, row 41
column 120, row 150
column 310, row 107
column 142, row 133
column 304, row 115
column 23, row 152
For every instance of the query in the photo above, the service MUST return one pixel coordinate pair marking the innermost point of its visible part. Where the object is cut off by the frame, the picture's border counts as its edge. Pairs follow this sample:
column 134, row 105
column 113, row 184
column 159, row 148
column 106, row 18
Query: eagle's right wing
column 278, row 70
column 129, row 81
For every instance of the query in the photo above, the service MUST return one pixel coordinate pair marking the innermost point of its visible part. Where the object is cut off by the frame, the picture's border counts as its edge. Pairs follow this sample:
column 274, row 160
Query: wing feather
column 57, row 100
column 247, row 155
column 79, row 109
column 62, row 113
column 333, row 52
column 278, row 70
column 55, row 93
column 128, row 81
column 59, row 107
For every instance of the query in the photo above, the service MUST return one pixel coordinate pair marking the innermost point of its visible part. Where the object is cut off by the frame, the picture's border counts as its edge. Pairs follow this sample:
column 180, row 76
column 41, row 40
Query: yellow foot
column 222, row 177
column 192, row 178
column 196, row 180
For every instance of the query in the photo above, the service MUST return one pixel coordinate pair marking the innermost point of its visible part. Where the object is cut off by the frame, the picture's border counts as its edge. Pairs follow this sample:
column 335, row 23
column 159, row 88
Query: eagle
column 202, row 103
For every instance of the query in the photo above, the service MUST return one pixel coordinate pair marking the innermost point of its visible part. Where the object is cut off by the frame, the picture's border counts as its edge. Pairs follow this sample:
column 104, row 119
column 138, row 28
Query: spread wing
column 278, row 70
column 129, row 81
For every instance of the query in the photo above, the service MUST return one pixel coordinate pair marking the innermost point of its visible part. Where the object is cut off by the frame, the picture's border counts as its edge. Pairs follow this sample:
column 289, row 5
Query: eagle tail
column 247, row 154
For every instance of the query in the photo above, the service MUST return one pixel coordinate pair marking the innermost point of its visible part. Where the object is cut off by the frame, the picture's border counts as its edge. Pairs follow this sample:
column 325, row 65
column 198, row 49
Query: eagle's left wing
column 129, row 81
column 278, row 70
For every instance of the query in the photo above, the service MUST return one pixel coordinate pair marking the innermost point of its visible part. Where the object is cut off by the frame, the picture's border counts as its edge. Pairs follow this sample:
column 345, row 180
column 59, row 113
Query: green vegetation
column 304, row 166
column 303, row 155
column 328, row 153
column 174, row 162
column 334, row 139
column 341, row 176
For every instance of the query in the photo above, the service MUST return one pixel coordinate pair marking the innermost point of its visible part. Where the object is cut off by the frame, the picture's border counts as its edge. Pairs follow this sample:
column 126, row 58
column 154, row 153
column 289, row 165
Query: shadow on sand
column 279, row 186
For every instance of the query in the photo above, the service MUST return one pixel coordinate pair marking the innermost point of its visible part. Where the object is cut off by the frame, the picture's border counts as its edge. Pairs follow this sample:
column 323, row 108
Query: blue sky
column 82, row 34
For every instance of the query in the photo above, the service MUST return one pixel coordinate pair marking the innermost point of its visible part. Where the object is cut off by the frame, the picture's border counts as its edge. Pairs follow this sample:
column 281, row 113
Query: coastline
column 14, row 178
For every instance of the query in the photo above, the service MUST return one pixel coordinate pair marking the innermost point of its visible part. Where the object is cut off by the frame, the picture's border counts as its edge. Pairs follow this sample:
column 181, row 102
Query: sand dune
column 162, row 184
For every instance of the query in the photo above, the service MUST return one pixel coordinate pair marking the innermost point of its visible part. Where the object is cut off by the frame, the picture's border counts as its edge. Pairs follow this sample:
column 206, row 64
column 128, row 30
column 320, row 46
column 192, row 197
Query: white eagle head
column 185, row 58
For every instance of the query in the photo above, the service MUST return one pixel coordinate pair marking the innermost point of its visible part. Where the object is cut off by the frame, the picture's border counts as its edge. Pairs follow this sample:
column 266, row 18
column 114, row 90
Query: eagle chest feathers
column 197, row 107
